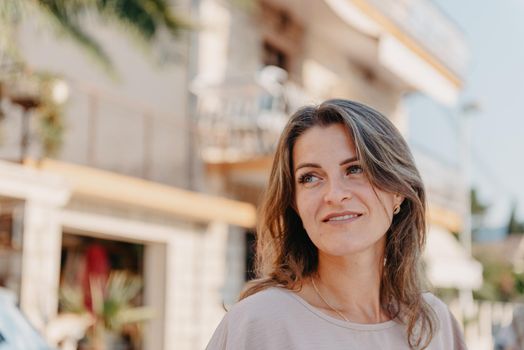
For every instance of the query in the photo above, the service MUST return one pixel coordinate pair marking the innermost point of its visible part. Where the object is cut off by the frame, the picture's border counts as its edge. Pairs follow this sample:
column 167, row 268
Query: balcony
column 241, row 120
column 445, row 191
column 101, row 129
column 410, row 42
column 425, row 23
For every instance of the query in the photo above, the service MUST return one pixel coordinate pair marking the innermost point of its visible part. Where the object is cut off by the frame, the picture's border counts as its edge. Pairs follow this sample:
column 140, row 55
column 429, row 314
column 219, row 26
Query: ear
column 398, row 199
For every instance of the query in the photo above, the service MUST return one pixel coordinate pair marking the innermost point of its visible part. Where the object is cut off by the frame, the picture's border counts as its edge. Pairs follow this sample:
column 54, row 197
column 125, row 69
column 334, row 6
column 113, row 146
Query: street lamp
column 31, row 92
column 466, row 111
column 28, row 103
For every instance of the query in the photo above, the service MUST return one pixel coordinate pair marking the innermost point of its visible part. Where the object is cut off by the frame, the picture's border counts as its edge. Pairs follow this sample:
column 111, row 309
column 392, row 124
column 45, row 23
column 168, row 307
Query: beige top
column 278, row 319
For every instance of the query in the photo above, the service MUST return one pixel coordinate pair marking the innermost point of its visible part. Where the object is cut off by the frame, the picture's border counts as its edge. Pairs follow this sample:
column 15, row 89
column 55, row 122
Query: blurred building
column 117, row 195
column 376, row 52
column 162, row 169
column 371, row 51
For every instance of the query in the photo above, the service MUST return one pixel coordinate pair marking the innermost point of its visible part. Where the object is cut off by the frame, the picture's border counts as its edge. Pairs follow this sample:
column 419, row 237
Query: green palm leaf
column 142, row 19
column 67, row 20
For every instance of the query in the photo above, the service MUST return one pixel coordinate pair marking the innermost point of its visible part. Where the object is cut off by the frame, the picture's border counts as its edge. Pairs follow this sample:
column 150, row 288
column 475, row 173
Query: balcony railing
column 242, row 119
column 443, row 182
column 105, row 130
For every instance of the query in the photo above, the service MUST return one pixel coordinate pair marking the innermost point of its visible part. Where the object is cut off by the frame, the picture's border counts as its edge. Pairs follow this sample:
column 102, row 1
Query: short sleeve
column 459, row 342
column 219, row 339
column 240, row 329
column 449, row 334
column 255, row 323
column 234, row 331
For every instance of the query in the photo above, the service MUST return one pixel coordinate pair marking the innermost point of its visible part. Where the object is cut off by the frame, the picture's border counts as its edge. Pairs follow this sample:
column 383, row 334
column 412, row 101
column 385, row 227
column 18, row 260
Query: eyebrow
column 315, row 165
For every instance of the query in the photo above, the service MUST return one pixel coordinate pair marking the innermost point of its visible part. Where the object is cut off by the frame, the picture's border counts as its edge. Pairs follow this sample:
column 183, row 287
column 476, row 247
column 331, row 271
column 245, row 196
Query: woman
column 341, row 232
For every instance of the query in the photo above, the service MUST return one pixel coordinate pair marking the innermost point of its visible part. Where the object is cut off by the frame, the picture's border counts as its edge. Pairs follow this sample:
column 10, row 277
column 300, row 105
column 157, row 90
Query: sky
column 494, row 32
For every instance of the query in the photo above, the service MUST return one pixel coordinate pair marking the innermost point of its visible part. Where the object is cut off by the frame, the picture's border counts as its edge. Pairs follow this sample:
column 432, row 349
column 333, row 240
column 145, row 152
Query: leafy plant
column 500, row 282
column 34, row 92
column 148, row 22
column 514, row 224
column 144, row 20
column 112, row 304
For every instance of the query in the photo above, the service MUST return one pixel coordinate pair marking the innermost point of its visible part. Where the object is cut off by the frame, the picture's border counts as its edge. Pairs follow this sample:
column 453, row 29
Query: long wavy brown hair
column 285, row 254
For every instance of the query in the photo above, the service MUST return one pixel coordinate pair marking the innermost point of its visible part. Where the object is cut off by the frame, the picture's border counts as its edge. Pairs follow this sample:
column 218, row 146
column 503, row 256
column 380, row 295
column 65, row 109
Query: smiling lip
column 342, row 217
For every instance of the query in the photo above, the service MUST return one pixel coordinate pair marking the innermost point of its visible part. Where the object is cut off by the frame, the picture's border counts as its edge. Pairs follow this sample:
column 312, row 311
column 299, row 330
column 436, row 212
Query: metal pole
column 91, row 128
column 24, row 139
column 147, row 149
column 466, row 112
column 191, row 107
column 465, row 129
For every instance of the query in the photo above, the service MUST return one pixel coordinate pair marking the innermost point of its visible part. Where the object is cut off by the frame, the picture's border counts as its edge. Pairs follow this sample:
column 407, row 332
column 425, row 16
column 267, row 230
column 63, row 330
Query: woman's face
column 340, row 210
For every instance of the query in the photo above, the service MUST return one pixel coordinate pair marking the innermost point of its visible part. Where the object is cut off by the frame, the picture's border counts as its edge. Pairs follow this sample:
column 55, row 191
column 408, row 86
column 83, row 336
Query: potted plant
column 111, row 306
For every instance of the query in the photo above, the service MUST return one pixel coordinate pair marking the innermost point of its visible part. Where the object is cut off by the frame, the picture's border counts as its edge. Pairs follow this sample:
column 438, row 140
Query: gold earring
column 396, row 210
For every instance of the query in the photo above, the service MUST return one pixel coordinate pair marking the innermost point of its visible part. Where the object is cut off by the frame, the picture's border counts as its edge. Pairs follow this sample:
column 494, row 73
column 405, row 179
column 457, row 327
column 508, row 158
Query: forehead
column 320, row 143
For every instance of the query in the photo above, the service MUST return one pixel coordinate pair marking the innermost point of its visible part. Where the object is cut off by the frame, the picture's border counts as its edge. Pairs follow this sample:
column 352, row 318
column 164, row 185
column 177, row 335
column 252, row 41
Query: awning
column 448, row 265
column 411, row 60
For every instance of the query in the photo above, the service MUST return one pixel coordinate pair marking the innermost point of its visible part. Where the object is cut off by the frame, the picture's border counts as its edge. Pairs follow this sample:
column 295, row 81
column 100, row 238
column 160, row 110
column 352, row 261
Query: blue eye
column 306, row 178
column 354, row 169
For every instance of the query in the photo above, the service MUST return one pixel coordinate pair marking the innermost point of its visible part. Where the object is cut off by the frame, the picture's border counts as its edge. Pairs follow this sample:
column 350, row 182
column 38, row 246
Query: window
column 281, row 35
column 274, row 56
column 11, row 214
column 250, row 255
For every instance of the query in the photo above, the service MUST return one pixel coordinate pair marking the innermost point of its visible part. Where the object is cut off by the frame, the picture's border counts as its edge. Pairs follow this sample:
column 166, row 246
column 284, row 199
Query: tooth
column 343, row 217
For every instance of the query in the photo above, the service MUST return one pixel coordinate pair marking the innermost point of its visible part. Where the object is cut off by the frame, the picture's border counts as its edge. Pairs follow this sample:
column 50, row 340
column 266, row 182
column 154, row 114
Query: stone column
column 43, row 195
column 41, row 251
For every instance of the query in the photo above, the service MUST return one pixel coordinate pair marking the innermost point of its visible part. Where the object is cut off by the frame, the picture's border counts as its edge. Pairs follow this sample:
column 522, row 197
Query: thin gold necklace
column 326, row 302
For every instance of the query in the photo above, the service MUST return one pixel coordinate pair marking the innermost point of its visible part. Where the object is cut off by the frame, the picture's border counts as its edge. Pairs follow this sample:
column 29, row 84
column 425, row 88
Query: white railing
column 443, row 181
column 106, row 130
column 242, row 119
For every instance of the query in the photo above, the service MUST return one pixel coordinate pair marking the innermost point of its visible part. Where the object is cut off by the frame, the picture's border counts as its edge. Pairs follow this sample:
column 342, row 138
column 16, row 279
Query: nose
column 337, row 191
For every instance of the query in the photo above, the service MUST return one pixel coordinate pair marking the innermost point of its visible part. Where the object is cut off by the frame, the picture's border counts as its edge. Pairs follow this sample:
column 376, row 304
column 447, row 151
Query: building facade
column 163, row 167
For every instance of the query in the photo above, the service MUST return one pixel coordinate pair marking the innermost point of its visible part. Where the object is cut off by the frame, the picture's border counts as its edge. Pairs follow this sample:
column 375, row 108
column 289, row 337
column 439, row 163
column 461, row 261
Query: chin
column 344, row 248
column 347, row 244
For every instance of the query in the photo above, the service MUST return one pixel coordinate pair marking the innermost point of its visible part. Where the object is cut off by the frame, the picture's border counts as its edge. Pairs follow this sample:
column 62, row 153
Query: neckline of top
column 334, row 320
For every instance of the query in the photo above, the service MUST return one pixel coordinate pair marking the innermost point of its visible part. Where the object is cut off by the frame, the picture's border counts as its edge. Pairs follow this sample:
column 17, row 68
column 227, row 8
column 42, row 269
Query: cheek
column 300, row 204
column 383, row 211
column 305, row 205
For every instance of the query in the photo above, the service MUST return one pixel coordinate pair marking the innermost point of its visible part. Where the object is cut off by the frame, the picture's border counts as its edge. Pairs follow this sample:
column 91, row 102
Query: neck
column 351, row 285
